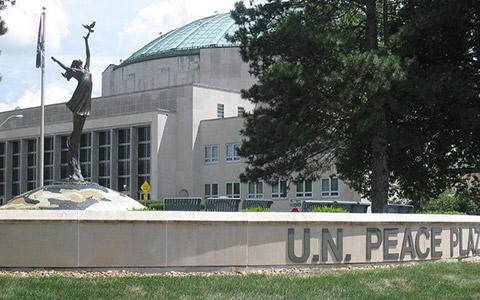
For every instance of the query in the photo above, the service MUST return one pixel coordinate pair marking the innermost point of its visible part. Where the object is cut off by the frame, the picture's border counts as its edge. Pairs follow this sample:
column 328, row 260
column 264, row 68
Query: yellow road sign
column 145, row 196
column 145, row 187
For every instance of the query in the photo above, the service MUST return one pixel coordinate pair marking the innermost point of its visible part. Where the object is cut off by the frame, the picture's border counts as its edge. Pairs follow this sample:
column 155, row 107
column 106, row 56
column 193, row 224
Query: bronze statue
column 79, row 104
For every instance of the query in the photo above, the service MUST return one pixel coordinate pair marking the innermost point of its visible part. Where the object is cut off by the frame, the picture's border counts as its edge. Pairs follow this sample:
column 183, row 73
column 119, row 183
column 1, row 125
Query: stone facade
column 192, row 241
column 156, row 120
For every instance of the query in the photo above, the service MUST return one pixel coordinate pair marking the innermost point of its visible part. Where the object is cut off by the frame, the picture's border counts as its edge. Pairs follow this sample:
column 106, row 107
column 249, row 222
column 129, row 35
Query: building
column 169, row 114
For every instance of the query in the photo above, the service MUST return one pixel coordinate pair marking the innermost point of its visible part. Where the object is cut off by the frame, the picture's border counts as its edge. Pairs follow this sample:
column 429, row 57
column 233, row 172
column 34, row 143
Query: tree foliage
column 3, row 5
column 335, row 87
column 3, row 25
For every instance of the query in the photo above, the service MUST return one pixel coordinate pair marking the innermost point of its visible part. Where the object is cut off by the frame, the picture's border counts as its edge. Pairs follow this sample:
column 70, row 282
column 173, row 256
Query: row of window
column 2, row 170
column 303, row 189
column 221, row 110
column 104, row 158
column 212, row 152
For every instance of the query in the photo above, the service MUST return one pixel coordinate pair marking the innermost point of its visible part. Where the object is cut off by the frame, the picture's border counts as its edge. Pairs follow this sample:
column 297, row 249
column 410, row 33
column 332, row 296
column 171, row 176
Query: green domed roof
column 208, row 32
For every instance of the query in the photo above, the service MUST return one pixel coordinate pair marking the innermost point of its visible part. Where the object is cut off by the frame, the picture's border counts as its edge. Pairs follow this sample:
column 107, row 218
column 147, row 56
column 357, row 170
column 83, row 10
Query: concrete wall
column 103, row 107
column 216, row 67
column 174, row 115
column 179, row 240
column 223, row 131
column 219, row 131
column 224, row 68
column 151, row 74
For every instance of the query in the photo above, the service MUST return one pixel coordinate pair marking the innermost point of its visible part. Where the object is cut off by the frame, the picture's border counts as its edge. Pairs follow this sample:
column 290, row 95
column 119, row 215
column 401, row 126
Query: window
column 124, row 160
column 211, row 153
column 220, row 110
column 64, row 158
column 48, row 152
column 2, row 172
column 31, row 164
column 104, row 154
column 86, row 155
column 329, row 187
column 240, row 111
column 232, row 189
column 143, row 158
column 232, row 152
column 211, row 190
column 255, row 190
column 304, row 189
column 15, row 168
column 279, row 189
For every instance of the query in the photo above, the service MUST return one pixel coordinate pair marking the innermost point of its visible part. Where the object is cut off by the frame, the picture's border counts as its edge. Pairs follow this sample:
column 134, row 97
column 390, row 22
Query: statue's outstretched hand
column 54, row 59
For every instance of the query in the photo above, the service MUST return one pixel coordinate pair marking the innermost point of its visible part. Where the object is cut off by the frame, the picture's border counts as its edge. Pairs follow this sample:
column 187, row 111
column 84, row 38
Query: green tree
column 336, row 82
column 440, row 98
column 3, row 26
column 3, row 5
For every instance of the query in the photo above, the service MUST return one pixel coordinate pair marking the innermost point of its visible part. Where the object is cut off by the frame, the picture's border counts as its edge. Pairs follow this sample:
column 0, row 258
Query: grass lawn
column 426, row 281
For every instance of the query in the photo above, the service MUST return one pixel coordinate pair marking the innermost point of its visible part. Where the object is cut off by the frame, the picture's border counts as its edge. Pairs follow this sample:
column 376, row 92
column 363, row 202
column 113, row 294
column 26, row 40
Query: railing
column 222, row 204
column 398, row 209
column 182, row 203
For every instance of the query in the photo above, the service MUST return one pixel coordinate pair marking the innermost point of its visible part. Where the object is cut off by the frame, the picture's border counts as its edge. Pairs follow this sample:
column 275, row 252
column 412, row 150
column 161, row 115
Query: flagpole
column 42, row 107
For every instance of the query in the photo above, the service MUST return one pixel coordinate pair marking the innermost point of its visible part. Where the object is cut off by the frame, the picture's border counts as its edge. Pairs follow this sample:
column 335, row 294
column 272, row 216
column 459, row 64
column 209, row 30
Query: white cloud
column 31, row 97
column 22, row 22
column 165, row 15
column 98, row 64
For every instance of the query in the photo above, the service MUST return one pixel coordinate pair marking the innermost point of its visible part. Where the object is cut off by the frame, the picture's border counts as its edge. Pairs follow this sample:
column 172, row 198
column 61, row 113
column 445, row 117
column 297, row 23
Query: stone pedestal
column 73, row 196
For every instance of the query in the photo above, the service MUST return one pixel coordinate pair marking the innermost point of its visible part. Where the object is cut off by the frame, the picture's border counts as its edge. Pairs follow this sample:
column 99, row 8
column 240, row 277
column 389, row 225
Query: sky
column 122, row 27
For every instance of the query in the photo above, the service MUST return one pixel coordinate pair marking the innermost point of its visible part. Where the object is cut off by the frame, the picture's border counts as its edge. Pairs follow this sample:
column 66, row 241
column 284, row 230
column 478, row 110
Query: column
column 23, row 165
column 94, row 162
column 57, row 157
column 133, row 162
column 8, row 170
column 114, row 161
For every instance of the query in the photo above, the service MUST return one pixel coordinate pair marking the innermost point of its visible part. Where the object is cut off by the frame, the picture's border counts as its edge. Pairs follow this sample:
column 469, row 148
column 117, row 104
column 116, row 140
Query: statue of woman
column 80, row 105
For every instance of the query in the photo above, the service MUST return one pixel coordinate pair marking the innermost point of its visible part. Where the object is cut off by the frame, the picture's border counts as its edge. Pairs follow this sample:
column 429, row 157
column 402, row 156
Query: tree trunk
column 380, row 172
column 385, row 22
column 372, row 36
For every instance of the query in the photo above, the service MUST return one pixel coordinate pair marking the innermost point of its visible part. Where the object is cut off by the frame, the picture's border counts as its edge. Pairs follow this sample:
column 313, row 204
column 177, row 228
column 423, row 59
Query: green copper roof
column 208, row 32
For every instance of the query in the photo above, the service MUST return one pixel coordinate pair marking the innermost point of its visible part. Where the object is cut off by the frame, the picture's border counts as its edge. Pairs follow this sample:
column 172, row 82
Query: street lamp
column 11, row 117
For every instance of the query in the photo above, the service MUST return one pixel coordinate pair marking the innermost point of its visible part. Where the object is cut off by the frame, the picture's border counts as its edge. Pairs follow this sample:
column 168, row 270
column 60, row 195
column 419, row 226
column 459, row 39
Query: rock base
column 72, row 195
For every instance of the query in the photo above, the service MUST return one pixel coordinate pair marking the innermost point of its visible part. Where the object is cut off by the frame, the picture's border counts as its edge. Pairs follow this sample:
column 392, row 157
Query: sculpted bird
column 90, row 27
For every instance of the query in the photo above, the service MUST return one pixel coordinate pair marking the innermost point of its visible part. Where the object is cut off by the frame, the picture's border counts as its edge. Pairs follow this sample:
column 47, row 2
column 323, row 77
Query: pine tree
column 339, row 81
column 3, row 26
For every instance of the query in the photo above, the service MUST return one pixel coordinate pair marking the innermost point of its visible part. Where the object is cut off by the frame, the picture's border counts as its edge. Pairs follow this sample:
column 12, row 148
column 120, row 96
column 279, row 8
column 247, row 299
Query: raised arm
column 60, row 64
column 87, row 50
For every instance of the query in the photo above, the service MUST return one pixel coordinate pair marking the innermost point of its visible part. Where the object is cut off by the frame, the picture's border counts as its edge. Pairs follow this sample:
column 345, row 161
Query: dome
column 208, row 32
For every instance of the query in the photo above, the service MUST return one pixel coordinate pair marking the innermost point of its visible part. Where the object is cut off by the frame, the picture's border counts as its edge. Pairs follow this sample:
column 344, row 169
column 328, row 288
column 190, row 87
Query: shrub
column 143, row 209
column 445, row 212
column 152, row 204
column 257, row 209
column 329, row 209
column 446, row 201
column 452, row 200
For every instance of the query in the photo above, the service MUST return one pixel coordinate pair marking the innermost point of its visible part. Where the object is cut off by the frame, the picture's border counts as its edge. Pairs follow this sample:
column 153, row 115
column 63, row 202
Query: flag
column 40, row 45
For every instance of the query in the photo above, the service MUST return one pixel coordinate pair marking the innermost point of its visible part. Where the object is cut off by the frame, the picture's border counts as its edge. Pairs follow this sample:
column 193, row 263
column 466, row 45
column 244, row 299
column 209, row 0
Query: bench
column 263, row 203
column 182, row 203
column 398, row 209
column 222, row 204
column 352, row 206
